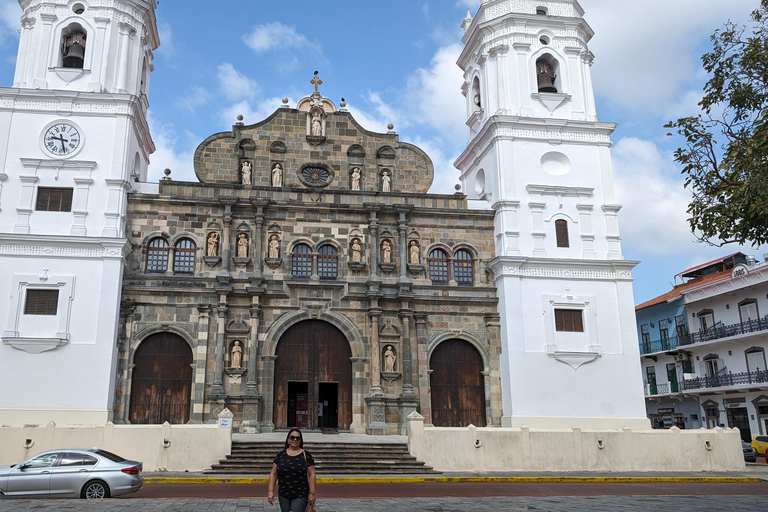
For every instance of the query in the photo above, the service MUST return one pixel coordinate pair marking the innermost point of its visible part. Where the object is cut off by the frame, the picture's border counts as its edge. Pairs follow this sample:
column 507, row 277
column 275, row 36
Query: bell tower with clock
column 539, row 157
column 74, row 140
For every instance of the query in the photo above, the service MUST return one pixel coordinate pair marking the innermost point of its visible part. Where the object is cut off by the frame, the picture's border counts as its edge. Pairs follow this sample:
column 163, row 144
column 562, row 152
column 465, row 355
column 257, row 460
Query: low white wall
column 189, row 447
column 574, row 449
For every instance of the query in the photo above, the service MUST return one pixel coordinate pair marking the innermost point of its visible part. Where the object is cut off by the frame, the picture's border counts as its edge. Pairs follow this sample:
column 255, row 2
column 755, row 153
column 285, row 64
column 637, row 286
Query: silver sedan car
column 72, row 472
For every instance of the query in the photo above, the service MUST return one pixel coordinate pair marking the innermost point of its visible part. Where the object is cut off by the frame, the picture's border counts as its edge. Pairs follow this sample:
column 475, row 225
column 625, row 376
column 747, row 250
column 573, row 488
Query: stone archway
column 313, row 377
column 457, row 385
column 161, row 380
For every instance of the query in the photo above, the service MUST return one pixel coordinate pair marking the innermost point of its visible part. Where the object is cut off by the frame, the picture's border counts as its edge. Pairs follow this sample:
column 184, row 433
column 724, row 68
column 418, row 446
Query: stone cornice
column 552, row 268
column 63, row 246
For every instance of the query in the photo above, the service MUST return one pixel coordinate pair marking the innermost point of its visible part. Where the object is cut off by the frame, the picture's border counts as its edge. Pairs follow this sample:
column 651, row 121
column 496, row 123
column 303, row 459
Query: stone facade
column 377, row 294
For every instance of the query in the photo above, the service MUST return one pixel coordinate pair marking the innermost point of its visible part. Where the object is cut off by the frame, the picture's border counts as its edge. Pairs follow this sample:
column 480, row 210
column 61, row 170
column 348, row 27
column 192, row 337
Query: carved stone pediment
column 237, row 327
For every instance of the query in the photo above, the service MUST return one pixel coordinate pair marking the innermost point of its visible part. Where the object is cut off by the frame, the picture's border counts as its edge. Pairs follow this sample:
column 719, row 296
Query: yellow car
column 760, row 443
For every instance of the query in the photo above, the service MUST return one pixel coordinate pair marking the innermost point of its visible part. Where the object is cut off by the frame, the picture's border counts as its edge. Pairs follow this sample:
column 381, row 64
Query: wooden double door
column 457, row 385
column 313, row 378
column 162, row 381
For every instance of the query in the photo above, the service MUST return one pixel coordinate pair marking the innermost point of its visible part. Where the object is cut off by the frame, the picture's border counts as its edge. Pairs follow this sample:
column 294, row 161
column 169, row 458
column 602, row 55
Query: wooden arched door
column 458, row 385
column 313, row 377
column 162, row 380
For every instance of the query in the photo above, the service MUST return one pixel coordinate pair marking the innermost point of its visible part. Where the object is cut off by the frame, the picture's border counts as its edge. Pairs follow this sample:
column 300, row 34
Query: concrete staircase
column 335, row 458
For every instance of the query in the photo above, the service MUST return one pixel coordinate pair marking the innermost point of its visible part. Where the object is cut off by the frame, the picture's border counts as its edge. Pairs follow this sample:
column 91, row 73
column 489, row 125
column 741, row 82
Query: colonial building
column 704, row 362
column 308, row 279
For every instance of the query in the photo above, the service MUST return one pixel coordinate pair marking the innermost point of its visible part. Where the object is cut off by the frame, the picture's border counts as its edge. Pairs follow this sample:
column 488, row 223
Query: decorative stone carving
column 355, row 185
column 236, row 358
column 357, row 251
column 245, row 172
column 277, row 175
column 242, row 245
column 213, row 243
column 386, row 182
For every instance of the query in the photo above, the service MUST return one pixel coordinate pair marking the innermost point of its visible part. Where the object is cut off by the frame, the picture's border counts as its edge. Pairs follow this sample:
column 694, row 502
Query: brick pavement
column 559, row 504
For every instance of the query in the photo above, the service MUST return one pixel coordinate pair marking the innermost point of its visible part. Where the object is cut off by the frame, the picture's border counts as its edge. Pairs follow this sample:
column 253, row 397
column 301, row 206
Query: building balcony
column 658, row 346
column 719, row 331
column 718, row 384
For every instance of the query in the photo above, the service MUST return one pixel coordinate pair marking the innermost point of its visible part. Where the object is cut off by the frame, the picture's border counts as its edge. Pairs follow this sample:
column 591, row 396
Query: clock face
column 61, row 139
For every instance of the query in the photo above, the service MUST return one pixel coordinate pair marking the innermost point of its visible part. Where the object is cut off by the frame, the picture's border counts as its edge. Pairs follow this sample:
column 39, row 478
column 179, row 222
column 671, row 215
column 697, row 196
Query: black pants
column 293, row 505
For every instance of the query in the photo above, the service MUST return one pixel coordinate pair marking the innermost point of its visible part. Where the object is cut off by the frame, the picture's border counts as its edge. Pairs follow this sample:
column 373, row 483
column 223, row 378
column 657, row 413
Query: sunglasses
column 294, row 438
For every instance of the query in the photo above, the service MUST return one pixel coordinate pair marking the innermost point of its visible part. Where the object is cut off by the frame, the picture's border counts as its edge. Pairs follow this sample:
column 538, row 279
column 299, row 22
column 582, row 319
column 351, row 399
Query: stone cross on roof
column 316, row 81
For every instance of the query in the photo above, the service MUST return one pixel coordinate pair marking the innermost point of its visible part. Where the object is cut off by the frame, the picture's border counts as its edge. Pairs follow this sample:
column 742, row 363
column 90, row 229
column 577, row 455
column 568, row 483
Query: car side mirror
column 22, row 467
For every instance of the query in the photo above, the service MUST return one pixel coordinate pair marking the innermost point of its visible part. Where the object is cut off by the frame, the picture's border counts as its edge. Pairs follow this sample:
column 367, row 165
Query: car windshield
column 109, row 455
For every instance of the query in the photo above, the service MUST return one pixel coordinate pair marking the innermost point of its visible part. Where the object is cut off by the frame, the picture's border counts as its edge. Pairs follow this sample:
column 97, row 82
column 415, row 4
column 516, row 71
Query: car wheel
column 95, row 490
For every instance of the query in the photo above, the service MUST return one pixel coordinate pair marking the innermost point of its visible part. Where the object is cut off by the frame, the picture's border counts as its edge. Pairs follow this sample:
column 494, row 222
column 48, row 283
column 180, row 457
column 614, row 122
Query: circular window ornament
column 739, row 270
column 315, row 176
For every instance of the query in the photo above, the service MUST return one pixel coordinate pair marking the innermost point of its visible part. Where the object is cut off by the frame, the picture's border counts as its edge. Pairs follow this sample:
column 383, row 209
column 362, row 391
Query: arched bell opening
column 73, row 45
column 477, row 98
column 547, row 79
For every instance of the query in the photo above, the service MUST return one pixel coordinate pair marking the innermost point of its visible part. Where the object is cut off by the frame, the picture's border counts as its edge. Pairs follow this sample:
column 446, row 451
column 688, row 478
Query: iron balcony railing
column 656, row 389
column 719, row 331
column 651, row 347
column 727, row 379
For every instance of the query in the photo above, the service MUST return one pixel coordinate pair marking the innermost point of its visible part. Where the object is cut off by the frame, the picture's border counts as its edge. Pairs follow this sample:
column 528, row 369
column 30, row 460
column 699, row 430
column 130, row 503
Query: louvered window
column 41, row 302
column 569, row 320
column 54, row 199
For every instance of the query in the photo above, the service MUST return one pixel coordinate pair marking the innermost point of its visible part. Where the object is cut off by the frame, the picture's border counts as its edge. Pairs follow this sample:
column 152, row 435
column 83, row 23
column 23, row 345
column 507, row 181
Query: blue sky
column 394, row 62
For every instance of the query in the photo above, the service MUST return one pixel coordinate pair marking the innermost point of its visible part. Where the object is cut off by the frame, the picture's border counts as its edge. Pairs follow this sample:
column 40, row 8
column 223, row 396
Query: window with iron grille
column 157, row 255
column 646, row 335
column 184, row 257
column 41, row 302
column 561, row 232
column 54, row 199
column 463, row 268
column 664, row 333
column 327, row 262
column 680, row 327
column 301, row 263
column 438, row 266
column 569, row 320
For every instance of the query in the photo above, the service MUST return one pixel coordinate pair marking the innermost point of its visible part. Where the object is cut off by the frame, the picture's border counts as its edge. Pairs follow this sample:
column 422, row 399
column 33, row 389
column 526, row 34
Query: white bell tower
column 74, row 141
column 539, row 156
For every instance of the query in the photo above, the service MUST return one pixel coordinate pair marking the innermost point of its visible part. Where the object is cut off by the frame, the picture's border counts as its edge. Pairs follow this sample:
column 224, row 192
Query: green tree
column 729, row 177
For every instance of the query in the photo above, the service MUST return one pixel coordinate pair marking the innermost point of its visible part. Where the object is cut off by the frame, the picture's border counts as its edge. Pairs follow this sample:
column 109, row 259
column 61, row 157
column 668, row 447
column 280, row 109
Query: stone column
column 226, row 242
column 375, row 353
column 402, row 230
column 268, row 386
column 258, row 236
column 126, row 34
column 251, row 387
column 200, row 363
column 373, row 227
column 405, row 318
column 218, row 371
column 422, row 344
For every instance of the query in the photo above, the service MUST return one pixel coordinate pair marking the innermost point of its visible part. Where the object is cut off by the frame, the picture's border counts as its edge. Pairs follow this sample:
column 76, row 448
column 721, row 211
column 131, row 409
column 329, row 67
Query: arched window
column 546, row 74
column 438, row 266
column 327, row 262
column 184, row 257
column 561, row 232
column 755, row 360
column 73, row 47
column 301, row 264
column 477, row 99
column 157, row 255
column 463, row 268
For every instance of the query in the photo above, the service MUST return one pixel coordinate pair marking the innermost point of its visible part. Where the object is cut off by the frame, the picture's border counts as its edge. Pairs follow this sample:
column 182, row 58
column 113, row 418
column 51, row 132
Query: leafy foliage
column 729, row 177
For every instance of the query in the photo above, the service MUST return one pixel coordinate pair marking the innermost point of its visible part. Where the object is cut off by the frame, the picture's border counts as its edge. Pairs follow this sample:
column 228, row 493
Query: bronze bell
column 546, row 77
column 74, row 50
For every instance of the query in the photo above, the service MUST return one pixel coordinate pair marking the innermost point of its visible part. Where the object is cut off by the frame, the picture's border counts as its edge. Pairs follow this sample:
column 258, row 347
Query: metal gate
column 162, row 380
column 313, row 352
column 458, row 385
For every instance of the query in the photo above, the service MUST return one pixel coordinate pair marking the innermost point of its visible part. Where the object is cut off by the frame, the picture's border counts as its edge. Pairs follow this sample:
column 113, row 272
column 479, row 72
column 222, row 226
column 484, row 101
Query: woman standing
column 294, row 468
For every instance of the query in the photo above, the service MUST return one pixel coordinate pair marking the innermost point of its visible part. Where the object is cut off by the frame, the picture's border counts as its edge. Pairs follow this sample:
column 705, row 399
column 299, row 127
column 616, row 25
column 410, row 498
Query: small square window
column 41, row 302
column 569, row 320
column 54, row 199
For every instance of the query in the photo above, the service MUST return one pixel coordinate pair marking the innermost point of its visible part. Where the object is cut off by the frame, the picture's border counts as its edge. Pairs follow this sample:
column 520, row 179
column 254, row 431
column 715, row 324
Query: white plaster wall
column 143, row 443
column 80, row 375
column 574, row 449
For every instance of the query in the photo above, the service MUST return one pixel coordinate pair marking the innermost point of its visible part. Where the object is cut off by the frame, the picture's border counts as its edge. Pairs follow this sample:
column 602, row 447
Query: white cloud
column 264, row 109
column 647, row 53
column 197, row 97
column 234, row 85
column 167, row 156
column 275, row 35
column 446, row 175
column 472, row 5
column 167, row 42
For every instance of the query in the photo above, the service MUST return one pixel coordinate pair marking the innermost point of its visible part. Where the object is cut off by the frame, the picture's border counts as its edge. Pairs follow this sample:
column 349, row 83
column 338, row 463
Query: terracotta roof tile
column 678, row 290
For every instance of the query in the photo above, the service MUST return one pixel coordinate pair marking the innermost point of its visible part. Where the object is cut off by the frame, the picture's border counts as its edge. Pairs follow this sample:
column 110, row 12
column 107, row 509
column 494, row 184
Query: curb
column 451, row 479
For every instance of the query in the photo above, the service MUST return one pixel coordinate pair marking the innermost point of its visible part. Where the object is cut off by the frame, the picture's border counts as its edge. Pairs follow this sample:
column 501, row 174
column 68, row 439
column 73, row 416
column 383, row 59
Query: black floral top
column 292, row 474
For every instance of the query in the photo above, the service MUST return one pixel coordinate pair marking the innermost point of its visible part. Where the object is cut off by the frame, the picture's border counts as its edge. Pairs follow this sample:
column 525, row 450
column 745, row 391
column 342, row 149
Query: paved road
column 558, row 504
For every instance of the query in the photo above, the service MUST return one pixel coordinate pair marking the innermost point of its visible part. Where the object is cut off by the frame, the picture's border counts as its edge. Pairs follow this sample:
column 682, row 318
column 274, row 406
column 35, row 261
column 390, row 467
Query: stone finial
column 285, row 103
column 343, row 104
column 167, row 173
column 458, row 188
column 240, row 118
column 391, row 128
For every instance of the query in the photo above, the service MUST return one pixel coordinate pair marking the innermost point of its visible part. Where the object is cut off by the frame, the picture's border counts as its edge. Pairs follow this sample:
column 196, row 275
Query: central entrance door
column 313, row 378
column 458, row 385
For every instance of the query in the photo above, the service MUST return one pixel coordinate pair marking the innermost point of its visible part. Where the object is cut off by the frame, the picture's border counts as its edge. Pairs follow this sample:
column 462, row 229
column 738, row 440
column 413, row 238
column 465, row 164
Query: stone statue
column 274, row 247
column 387, row 249
column 389, row 359
column 245, row 173
column 317, row 125
column 357, row 251
column 213, row 243
column 242, row 246
column 355, row 179
column 237, row 355
column 277, row 176
column 414, row 253
column 385, row 182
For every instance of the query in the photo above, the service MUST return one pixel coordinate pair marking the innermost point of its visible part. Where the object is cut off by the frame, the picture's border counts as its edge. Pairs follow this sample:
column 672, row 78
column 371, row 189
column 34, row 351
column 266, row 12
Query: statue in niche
column 274, row 247
column 355, row 179
column 414, row 253
column 242, row 245
column 385, row 182
column 245, row 173
column 357, row 251
column 277, row 175
column 317, row 125
column 213, row 243
column 386, row 247
column 236, row 360
column 389, row 359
